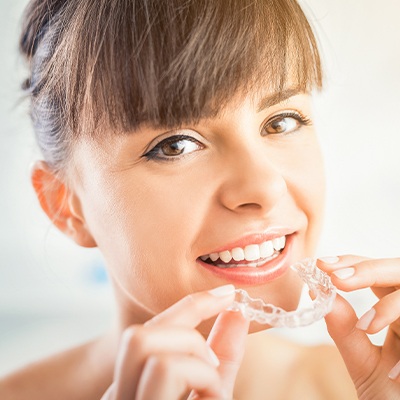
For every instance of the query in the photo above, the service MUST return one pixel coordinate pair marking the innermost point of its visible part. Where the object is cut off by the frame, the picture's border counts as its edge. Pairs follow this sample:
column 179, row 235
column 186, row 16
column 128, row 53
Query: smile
column 250, row 256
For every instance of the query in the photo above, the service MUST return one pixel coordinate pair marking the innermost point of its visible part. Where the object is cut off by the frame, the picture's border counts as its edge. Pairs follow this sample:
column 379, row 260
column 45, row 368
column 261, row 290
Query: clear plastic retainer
column 319, row 284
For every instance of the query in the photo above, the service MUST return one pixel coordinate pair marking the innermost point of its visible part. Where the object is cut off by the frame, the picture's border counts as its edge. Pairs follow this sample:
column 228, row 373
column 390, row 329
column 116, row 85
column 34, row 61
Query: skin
column 152, row 219
column 192, row 205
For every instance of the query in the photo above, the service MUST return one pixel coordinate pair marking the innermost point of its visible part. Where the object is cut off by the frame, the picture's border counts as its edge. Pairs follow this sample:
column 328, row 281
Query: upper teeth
column 252, row 252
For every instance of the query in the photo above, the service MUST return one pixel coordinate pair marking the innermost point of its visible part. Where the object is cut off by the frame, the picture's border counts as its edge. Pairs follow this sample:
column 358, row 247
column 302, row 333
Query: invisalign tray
column 319, row 284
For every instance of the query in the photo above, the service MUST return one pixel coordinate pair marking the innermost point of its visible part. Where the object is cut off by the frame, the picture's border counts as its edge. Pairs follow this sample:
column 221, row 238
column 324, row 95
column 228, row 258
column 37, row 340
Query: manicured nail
column 213, row 357
column 395, row 372
column 344, row 273
column 329, row 260
column 365, row 321
column 222, row 291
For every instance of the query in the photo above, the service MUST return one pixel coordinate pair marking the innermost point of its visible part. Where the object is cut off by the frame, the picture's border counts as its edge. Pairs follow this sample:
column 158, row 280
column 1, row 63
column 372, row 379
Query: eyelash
column 302, row 119
column 153, row 153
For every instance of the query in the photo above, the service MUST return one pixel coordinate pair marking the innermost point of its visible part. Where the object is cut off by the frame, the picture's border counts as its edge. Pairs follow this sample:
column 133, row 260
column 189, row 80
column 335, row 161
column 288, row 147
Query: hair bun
column 36, row 21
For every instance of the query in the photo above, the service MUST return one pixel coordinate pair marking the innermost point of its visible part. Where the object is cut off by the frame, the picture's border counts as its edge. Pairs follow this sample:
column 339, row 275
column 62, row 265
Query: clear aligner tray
column 317, row 281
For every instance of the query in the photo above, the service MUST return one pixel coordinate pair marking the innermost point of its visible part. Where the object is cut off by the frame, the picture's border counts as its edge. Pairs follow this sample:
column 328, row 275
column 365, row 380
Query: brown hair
column 116, row 64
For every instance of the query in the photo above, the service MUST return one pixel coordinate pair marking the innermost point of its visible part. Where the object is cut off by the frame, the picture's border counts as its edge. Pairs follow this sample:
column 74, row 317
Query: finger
column 195, row 308
column 384, row 312
column 394, row 374
column 368, row 273
column 390, row 356
column 227, row 338
column 382, row 291
column 331, row 263
column 139, row 342
column 172, row 376
column 359, row 354
column 109, row 394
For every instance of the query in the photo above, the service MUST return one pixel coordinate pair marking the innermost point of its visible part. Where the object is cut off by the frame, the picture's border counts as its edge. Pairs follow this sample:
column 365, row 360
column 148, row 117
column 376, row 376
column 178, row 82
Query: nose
column 252, row 183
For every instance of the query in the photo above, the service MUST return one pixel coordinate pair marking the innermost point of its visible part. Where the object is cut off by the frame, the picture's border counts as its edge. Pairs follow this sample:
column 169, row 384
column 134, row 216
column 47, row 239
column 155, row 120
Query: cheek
column 145, row 230
column 306, row 182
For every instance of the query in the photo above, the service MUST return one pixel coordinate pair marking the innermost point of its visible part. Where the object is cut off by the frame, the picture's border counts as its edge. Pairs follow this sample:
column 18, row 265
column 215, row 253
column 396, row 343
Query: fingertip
column 228, row 335
column 344, row 273
column 346, row 279
column 329, row 260
column 364, row 323
column 342, row 319
column 222, row 291
column 394, row 373
column 235, row 319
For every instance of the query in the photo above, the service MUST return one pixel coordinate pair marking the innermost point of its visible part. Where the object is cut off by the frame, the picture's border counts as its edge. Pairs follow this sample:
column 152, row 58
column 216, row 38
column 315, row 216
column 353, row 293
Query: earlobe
column 60, row 204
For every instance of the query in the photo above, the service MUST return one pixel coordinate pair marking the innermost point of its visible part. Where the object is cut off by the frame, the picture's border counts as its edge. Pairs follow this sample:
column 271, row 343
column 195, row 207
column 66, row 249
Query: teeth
column 238, row 254
column 266, row 249
column 225, row 256
column 279, row 243
column 252, row 252
column 214, row 256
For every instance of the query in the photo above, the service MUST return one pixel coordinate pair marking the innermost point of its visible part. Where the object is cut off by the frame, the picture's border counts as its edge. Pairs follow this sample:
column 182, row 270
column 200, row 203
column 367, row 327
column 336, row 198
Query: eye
column 174, row 147
column 285, row 123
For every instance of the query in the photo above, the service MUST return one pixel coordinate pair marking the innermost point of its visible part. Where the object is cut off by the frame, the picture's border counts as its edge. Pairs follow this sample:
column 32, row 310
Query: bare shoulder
column 72, row 374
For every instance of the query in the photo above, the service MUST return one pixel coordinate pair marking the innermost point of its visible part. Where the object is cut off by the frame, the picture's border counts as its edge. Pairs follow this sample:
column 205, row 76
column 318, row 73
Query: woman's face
column 176, row 211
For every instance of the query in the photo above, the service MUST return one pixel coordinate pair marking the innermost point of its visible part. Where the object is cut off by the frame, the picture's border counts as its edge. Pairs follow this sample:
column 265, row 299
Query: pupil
column 173, row 149
column 279, row 126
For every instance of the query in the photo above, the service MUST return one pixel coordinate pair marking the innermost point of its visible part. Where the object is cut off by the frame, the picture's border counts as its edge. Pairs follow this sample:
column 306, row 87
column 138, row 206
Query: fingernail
column 329, row 260
column 395, row 372
column 344, row 273
column 213, row 357
column 222, row 291
column 365, row 321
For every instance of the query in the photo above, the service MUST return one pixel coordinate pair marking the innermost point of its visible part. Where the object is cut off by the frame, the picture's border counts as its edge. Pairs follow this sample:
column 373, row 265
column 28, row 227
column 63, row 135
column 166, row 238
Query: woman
column 177, row 137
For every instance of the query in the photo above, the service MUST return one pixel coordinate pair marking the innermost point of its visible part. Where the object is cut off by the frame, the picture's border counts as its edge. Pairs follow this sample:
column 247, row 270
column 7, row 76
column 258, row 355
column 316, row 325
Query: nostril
column 249, row 206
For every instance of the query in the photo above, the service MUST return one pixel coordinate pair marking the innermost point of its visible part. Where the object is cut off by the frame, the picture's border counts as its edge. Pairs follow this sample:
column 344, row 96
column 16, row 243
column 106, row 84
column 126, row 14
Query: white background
column 53, row 294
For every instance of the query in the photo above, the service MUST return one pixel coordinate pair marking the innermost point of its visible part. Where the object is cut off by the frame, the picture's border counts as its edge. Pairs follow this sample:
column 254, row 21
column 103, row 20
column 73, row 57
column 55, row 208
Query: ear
column 61, row 204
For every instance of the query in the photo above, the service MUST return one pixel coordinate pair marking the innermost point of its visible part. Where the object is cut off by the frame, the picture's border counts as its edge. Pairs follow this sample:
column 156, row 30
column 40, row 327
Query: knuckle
column 134, row 337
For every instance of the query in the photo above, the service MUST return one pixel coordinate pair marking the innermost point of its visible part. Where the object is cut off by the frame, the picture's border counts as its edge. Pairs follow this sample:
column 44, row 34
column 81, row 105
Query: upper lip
column 254, row 238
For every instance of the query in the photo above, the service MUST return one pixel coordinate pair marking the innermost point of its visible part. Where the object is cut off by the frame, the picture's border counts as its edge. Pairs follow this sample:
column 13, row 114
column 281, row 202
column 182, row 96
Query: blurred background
column 54, row 294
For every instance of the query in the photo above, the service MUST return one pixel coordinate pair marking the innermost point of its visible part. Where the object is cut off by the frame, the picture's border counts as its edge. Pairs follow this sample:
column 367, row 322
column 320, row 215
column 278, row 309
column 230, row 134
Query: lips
column 251, row 261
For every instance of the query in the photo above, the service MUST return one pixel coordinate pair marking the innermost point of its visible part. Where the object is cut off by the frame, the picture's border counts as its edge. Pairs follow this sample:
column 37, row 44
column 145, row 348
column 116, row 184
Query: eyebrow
column 277, row 98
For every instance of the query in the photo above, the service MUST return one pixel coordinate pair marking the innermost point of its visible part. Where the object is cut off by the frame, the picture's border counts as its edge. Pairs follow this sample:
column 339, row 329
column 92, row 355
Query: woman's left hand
column 375, row 370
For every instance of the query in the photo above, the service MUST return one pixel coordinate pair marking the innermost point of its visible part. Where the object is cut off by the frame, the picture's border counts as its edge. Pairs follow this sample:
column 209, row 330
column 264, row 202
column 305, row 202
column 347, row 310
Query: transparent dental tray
column 318, row 282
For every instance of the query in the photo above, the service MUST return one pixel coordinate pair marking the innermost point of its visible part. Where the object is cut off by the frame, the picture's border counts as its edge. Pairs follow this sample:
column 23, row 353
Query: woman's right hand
column 167, row 358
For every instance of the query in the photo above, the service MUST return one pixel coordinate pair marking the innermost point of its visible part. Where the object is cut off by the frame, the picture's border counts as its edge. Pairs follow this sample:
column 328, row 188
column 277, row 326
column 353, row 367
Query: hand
column 373, row 369
column 166, row 358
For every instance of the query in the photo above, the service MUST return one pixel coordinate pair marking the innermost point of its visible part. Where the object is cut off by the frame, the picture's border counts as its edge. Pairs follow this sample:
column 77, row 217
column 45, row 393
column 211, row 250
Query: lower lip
column 250, row 276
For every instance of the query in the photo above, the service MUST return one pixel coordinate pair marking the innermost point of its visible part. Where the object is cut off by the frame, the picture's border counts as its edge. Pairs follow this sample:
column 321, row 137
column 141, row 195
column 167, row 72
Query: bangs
column 166, row 63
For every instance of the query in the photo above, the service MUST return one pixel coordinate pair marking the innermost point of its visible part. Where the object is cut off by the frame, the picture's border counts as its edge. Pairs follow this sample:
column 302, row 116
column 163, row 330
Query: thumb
column 227, row 339
column 359, row 354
